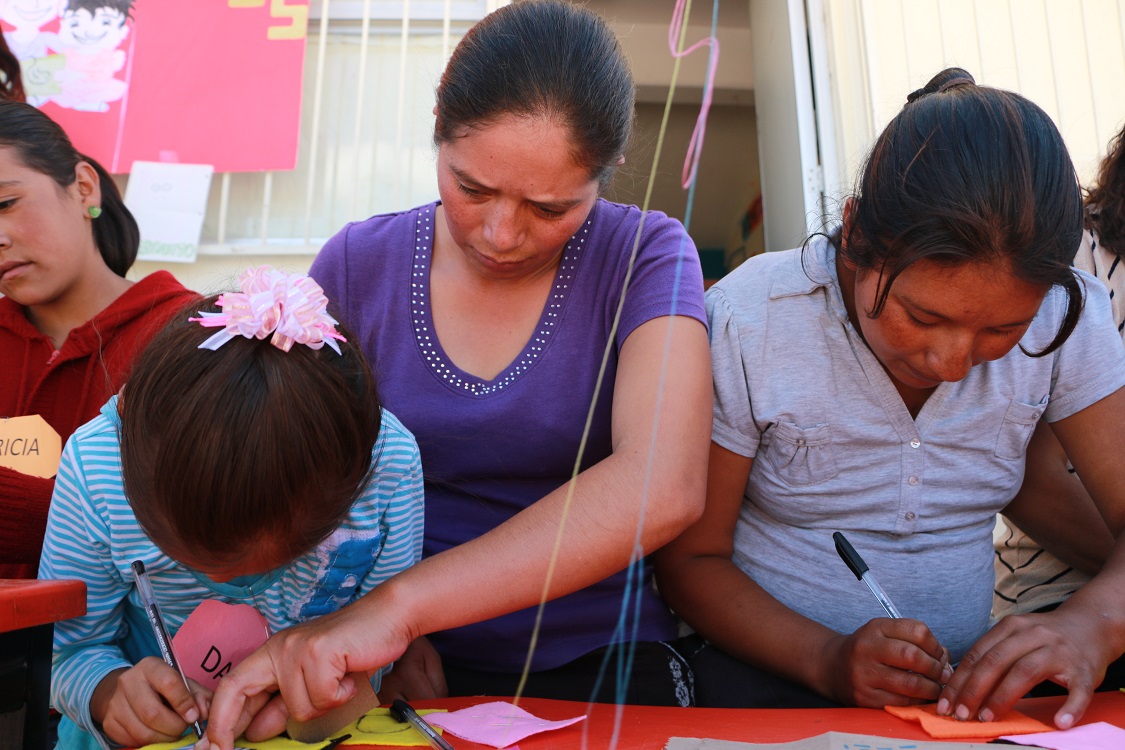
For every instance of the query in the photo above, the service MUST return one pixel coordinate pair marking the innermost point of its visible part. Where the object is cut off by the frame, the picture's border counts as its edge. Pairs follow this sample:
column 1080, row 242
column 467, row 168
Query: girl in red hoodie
column 70, row 322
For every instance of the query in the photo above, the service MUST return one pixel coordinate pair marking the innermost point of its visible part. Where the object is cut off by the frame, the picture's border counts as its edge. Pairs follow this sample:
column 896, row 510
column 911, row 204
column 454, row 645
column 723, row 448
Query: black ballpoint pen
column 402, row 711
column 859, row 567
column 160, row 630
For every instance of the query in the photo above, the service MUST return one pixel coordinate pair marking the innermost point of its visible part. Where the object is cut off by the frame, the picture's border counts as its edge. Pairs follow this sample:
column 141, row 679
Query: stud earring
column 95, row 211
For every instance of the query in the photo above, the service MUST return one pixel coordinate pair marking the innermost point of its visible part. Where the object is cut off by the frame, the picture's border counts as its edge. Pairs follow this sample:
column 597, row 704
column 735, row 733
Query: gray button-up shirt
column 835, row 448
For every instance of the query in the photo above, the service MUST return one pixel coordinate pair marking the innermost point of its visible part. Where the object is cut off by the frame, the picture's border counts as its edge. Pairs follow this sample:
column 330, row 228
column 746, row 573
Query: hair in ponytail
column 969, row 173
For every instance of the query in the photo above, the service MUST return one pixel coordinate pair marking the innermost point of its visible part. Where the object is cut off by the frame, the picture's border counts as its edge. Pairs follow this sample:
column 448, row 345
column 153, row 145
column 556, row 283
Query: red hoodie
column 67, row 388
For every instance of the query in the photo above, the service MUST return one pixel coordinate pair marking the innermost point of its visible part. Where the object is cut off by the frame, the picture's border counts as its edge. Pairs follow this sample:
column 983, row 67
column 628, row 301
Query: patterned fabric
column 1028, row 577
column 1095, row 258
column 93, row 536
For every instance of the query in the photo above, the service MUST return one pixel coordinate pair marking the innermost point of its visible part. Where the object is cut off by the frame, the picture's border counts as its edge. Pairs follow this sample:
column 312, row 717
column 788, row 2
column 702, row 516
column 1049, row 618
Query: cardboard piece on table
column 826, row 741
column 1099, row 735
column 169, row 202
column 328, row 725
column 216, row 638
column 498, row 723
column 948, row 728
column 30, row 446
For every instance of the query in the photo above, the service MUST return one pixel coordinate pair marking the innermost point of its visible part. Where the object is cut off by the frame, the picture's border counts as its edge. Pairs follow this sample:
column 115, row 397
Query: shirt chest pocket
column 1015, row 431
column 801, row 456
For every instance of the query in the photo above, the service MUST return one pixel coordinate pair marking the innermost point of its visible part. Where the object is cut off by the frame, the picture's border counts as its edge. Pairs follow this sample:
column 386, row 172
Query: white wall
column 786, row 122
column 1067, row 56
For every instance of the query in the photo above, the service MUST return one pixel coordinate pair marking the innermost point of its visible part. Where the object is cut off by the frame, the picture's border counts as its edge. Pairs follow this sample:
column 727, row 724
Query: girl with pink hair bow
column 252, row 465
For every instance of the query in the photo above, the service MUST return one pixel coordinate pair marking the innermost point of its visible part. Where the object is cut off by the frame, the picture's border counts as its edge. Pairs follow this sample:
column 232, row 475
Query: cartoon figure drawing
column 27, row 17
column 90, row 33
column 30, row 45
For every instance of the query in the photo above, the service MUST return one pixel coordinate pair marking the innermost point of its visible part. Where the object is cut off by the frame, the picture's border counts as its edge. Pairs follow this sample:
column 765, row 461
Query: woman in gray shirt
column 885, row 382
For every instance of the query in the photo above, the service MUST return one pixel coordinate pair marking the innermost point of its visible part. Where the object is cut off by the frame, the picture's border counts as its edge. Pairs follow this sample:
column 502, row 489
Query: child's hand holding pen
column 147, row 703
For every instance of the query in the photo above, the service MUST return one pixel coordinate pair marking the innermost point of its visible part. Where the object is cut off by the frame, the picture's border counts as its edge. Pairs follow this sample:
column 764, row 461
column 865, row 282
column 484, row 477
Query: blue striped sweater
column 93, row 536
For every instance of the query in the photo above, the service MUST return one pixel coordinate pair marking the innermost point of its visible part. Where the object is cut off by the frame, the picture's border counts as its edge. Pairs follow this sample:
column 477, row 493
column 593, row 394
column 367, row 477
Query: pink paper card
column 216, row 637
column 1096, row 736
column 498, row 724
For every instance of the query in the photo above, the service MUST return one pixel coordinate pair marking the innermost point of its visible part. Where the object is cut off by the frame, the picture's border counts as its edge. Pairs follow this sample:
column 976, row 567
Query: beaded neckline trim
column 424, row 334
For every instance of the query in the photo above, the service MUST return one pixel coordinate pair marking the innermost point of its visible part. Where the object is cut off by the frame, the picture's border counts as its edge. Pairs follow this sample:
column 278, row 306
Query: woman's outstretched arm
column 640, row 497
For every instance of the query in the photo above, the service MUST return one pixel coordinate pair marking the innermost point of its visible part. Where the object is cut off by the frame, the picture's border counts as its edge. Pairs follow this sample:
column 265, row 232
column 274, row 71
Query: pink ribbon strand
column 695, row 146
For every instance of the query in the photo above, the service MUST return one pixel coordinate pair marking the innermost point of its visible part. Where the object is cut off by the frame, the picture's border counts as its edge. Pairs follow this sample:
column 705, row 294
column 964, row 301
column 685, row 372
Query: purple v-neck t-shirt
column 491, row 448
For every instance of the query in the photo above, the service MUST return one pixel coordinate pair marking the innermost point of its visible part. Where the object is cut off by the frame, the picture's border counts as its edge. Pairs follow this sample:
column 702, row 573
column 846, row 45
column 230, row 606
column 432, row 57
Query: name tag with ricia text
column 30, row 446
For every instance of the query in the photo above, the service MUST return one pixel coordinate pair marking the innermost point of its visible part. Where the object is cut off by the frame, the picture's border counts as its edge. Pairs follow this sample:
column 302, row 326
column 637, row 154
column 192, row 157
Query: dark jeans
column 660, row 676
column 722, row 681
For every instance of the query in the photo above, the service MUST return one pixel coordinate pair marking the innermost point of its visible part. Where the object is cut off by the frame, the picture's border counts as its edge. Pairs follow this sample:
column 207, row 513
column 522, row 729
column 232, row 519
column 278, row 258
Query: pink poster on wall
column 202, row 82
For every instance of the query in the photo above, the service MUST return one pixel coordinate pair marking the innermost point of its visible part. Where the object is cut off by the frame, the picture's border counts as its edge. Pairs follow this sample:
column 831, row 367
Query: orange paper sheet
column 948, row 728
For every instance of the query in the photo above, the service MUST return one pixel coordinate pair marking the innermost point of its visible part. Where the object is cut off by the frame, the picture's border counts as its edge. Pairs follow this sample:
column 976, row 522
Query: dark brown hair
column 124, row 7
column 542, row 58
column 43, row 146
column 969, row 173
column 222, row 449
column 1105, row 202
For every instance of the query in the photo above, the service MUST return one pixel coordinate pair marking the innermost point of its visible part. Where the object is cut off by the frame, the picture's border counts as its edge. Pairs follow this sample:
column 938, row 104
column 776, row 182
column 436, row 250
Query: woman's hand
column 309, row 665
column 1067, row 646
column 1072, row 645
column 147, row 703
column 417, row 675
column 885, row 663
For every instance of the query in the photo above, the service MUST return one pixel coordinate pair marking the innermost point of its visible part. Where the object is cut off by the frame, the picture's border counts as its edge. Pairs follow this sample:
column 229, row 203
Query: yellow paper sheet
column 377, row 727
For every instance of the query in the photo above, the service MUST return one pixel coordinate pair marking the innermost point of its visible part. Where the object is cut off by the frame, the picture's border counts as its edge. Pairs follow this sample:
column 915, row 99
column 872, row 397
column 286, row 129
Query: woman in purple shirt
column 548, row 350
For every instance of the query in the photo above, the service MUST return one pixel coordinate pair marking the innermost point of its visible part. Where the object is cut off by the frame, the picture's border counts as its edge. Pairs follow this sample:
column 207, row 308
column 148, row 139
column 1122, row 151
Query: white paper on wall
column 169, row 201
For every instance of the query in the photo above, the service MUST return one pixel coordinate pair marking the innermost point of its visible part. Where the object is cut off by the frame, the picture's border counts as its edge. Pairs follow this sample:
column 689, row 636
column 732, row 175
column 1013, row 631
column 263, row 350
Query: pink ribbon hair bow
column 290, row 306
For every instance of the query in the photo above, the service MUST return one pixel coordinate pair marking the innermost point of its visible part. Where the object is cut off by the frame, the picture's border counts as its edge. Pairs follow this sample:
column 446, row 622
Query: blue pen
column 859, row 567
column 152, row 609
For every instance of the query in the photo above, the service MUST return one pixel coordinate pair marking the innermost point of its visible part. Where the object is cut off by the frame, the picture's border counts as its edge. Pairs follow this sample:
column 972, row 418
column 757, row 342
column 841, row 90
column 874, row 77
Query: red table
column 648, row 728
column 28, row 611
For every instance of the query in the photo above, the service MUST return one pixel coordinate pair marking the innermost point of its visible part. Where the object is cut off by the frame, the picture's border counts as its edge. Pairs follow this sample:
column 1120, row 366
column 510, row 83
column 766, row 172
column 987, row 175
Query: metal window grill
column 366, row 128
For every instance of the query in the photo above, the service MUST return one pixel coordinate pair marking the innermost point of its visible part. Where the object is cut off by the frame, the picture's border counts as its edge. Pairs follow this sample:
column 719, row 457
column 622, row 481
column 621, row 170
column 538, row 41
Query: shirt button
column 915, row 443
column 910, row 515
column 912, row 480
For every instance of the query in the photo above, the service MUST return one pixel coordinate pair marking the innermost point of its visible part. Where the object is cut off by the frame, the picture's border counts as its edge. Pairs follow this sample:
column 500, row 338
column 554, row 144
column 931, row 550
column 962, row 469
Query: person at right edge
column 884, row 381
column 1028, row 577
